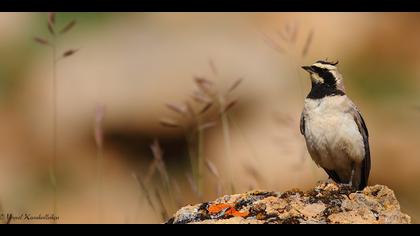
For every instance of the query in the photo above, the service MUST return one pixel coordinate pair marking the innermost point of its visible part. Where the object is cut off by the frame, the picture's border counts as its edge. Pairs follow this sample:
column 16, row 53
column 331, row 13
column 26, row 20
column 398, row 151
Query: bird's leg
column 352, row 175
column 350, row 183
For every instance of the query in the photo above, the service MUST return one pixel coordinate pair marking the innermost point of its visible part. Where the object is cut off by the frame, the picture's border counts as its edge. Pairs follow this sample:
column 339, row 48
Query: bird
column 335, row 132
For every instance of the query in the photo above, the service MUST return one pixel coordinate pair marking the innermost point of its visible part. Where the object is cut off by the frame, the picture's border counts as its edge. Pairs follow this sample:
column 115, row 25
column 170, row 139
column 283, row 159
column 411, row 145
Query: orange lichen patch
column 232, row 211
column 216, row 208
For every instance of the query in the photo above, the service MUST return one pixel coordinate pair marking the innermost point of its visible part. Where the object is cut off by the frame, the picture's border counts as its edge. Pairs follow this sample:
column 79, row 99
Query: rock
column 327, row 203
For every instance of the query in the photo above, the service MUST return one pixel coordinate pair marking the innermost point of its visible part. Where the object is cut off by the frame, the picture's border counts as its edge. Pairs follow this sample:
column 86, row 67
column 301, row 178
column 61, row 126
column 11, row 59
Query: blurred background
column 113, row 93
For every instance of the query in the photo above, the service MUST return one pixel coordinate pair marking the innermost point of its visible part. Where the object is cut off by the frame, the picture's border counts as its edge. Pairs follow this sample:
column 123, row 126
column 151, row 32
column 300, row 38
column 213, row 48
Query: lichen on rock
column 327, row 203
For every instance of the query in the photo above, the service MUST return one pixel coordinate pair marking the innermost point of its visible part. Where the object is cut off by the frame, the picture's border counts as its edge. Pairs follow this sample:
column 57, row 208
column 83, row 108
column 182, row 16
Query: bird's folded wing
column 302, row 124
column 365, row 134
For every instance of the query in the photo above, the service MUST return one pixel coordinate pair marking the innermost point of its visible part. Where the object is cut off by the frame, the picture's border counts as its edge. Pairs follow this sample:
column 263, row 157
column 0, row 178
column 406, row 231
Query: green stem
column 53, row 170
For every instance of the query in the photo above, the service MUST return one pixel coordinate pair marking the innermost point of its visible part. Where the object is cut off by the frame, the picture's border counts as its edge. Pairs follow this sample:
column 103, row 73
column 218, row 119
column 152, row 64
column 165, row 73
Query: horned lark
column 335, row 132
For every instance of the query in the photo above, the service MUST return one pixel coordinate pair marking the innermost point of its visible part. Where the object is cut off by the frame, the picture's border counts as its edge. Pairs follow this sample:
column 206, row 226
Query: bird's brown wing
column 365, row 134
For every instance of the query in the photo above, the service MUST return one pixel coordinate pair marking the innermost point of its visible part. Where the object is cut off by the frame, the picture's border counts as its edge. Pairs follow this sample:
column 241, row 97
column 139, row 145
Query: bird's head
column 324, row 73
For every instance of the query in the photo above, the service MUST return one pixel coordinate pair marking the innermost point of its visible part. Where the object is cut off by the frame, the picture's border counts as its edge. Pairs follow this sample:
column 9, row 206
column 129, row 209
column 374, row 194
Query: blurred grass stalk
column 53, row 164
column 192, row 155
column 163, row 172
column 200, row 164
column 98, row 135
column 193, row 127
column 153, row 193
column 195, row 143
column 52, row 44
column 226, row 139
column 194, row 122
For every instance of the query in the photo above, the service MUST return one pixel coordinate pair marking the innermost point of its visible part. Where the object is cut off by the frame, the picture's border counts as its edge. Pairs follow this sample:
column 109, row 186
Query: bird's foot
column 348, row 186
column 327, row 181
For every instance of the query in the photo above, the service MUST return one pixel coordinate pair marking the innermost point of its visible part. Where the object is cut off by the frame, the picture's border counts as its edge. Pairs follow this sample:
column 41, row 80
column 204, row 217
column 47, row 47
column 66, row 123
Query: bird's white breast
column 331, row 133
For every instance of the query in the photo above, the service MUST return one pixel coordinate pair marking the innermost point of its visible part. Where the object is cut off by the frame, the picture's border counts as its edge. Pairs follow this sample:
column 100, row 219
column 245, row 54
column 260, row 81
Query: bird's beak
column 308, row 69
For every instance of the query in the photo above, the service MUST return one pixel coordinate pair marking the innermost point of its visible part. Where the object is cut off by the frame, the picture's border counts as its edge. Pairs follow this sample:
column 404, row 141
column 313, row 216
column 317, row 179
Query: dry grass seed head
column 51, row 18
column 235, row 85
column 158, row 157
column 204, row 85
column 69, row 52
column 182, row 110
column 199, row 97
column 205, row 108
column 41, row 41
column 229, row 106
column 212, row 168
column 68, row 27
column 308, row 43
column 50, row 28
column 208, row 125
column 166, row 122
column 273, row 44
column 156, row 150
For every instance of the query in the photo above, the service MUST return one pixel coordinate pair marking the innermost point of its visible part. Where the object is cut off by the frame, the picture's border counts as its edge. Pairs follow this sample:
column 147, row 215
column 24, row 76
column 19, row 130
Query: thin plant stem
column 171, row 197
column 191, row 153
column 200, row 161
column 98, row 135
column 169, row 191
column 53, row 171
column 163, row 212
column 226, row 139
column 194, row 140
column 164, row 175
column 52, row 44
column 99, row 172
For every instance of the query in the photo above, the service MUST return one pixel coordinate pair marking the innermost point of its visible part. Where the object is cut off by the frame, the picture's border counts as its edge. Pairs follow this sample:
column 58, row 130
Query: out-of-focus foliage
column 135, row 63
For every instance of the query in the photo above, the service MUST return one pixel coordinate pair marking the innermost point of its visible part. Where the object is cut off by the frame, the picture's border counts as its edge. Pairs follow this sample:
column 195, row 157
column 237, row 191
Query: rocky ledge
column 327, row 203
